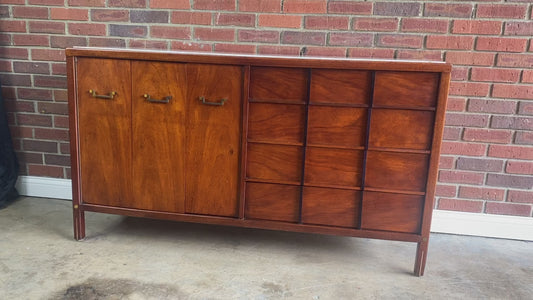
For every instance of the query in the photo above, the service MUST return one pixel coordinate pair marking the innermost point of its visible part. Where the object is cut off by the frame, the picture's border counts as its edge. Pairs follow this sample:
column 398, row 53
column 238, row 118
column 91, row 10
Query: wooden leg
column 79, row 224
column 421, row 255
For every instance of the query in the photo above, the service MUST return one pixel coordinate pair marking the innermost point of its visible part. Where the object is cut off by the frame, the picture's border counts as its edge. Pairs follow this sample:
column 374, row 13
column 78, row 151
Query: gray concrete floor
column 131, row 258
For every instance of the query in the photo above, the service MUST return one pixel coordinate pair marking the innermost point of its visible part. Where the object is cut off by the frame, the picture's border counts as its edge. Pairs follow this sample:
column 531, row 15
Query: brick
column 460, row 205
column 31, row 67
column 34, row 94
column 470, row 58
column 501, row 11
column 487, row 135
column 327, row 22
column 125, row 3
column 476, row 27
column 520, row 196
column 235, row 48
column 448, row 10
column 12, row 1
column 278, row 50
column 52, row 134
column 519, row 28
column 188, row 17
column 15, row 80
column 61, row 95
column 46, row 2
column 501, row 44
column 482, row 193
column 67, row 41
column 519, row 167
column 30, row 158
column 512, row 91
column 170, row 32
column 524, row 138
column 525, row 108
column 515, row 60
column 459, row 73
column 9, row 92
column 370, row 53
column 452, row 133
column 128, row 30
column 304, row 6
column 107, row 42
column 446, row 162
column 508, row 209
column 64, row 148
column 445, row 190
column 259, row 36
column 19, row 106
column 469, row 89
column 492, row 106
column 31, row 40
column 527, row 76
column 148, row 44
column 5, row 39
column 34, row 120
column 59, row 13
column 170, row 4
column 376, row 24
column 214, row 5
column 188, row 46
column 457, row 42
column 45, row 171
column 46, row 27
column 325, row 51
column 271, row 6
column 244, row 20
column 425, row 25
column 479, row 164
column 458, row 148
column 50, row 81
column 350, row 7
column 423, row 55
column 303, row 38
column 521, row 123
column 13, row 26
column 5, row 66
column 461, row 177
column 57, row 160
column 515, row 152
column 396, row 9
column 30, row 12
column 353, row 39
column 149, row 16
column 59, row 69
column 48, row 54
column 214, row 34
column 89, row 28
column 495, row 75
column 52, row 108
column 400, row 41
column 110, row 15
column 61, row 122
column 281, row 21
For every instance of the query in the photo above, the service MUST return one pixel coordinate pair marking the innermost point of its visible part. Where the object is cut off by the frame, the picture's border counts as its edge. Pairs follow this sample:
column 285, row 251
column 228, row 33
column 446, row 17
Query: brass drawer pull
column 204, row 101
column 164, row 100
column 111, row 95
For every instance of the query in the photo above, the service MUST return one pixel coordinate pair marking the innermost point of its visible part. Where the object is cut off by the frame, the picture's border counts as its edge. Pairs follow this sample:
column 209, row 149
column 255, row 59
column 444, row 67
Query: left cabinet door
column 104, row 125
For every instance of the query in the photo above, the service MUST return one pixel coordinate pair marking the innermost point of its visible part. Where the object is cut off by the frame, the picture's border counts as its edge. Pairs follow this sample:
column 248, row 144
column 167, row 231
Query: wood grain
column 337, row 167
column 274, row 162
column 336, row 126
column 400, row 89
column 278, row 123
column 351, row 87
column 276, row 202
column 278, row 84
column 331, row 207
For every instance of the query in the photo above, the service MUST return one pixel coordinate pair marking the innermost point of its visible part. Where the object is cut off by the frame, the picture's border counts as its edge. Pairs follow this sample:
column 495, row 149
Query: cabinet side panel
column 213, row 139
column 158, row 136
column 104, row 131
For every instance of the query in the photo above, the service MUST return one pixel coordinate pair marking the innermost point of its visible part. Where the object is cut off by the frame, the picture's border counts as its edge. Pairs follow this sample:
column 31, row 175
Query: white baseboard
column 495, row 226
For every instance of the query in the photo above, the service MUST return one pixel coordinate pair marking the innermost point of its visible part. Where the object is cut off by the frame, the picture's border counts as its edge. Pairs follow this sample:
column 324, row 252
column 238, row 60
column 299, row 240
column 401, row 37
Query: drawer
column 278, row 163
column 278, row 84
column 333, row 167
column 281, row 123
column 406, row 129
column 397, row 171
column 406, row 89
column 393, row 212
column 336, row 126
column 350, row 87
column 331, row 207
column 276, row 202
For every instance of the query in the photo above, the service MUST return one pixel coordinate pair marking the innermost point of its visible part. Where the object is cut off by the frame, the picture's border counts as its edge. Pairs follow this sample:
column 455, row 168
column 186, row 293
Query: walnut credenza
column 332, row 146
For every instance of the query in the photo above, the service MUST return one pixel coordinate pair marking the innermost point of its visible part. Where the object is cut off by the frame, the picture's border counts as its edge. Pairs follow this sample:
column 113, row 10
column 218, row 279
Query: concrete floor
column 131, row 258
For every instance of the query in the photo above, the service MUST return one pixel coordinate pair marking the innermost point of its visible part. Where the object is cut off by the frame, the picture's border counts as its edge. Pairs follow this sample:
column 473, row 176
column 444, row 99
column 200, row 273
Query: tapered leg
column 421, row 255
column 79, row 223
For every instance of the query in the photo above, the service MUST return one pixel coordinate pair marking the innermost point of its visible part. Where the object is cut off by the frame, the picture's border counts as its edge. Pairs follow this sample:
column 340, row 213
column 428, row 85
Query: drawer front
column 104, row 130
column 274, row 163
column 340, row 87
column 331, row 207
column 406, row 89
column 276, row 202
column 333, row 167
column 287, row 85
column 343, row 127
column 276, row 123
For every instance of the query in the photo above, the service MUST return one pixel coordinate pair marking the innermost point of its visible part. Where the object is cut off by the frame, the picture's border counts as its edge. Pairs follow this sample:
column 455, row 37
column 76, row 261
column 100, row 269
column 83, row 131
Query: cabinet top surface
column 261, row 60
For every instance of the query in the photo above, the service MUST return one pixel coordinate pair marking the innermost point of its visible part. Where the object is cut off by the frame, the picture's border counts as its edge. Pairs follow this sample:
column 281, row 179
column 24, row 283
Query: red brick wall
column 487, row 160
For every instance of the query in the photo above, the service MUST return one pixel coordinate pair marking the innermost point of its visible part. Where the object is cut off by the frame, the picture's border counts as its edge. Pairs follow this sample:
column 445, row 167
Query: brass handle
column 204, row 101
column 164, row 100
column 111, row 95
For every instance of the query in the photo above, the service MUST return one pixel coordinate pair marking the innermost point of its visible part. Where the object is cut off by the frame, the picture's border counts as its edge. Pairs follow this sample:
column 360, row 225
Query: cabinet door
column 158, row 114
column 213, row 139
column 104, row 130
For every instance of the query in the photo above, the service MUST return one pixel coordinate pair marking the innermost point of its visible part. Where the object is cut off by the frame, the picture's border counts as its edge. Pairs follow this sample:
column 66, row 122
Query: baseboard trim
column 452, row 222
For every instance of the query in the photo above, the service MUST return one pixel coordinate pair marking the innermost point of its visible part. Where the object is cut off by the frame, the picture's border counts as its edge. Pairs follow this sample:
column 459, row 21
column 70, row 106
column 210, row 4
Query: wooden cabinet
column 332, row 146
